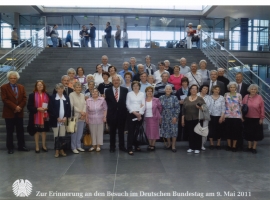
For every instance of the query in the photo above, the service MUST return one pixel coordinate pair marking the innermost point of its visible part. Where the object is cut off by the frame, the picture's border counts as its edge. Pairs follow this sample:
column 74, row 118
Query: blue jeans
column 92, row 42
column 108, row 40
column 117, row 43
column 54, row 41
column 198, row 44
column 126, row 44
column 84, row 42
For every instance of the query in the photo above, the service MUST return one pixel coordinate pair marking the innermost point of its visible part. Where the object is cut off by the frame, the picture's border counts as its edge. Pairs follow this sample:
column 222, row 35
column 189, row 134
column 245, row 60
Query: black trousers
column 10, row 124
column 195, row 140
column 120, row 126
column 131, row 140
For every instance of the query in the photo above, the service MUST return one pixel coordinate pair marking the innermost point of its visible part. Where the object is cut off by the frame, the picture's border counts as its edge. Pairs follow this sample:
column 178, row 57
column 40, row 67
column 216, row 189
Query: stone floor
column 213, row 174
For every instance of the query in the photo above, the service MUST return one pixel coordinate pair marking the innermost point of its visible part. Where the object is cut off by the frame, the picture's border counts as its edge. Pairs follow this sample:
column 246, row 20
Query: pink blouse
column 255, row 106
column 176, row 81
column 95, row 110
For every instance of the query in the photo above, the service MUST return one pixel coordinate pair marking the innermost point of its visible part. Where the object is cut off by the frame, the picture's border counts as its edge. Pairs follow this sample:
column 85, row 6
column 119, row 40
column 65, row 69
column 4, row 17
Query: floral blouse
column 233, row 105
column 217, row 107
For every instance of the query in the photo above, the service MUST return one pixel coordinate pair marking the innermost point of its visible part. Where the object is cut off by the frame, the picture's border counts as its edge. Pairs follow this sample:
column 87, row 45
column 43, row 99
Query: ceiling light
column 231, row 61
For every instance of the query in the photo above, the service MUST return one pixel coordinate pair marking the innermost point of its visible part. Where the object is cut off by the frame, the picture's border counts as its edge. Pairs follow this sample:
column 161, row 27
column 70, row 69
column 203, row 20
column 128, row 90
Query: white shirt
column 118, row 92
column 193, row 77
column 105, row 67
column 240, row 86
column 210, row 86
column 157, row 75
column 98, row 78
column 184, row 70
column 61, row 110
column 148, row 109
column 134, row 102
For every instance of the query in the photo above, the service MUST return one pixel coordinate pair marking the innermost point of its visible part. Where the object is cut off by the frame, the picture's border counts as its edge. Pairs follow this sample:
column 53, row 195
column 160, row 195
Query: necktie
column 116, row 94
column 15, row 91
column 238, row 88
column 66, row 91
column 210, row 89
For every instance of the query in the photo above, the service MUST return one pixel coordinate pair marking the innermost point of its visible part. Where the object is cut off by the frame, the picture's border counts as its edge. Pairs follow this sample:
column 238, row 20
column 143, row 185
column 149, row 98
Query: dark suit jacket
column 69, row 91
column 137, row 77
column 10, row 101
column 32, row 111
column 54, row 107
column 220, row 84
column 243, row 90
column 108, row 32
column 117, row 111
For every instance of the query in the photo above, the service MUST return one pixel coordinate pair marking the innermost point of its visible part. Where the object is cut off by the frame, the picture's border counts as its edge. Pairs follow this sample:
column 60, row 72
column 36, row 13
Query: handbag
column 62, row 142
column 205, row 113
column 71, row 123
column 141, row 136
column 245, row 108
column 195, row 38
column 203, row 131
column 87, row 139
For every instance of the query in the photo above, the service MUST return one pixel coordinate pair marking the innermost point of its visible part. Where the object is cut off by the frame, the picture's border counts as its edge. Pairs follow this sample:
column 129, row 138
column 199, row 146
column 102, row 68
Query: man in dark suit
column 65, row 82
column 14, row 99
column 223, row 79
column 213, row 81
column 117, row 112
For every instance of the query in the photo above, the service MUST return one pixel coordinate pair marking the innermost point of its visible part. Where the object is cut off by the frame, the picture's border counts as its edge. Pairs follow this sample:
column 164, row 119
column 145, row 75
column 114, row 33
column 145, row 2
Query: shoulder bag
column 195, row 79
column 62, row 142
column 71, row 123
column 203, row 131
column 245, row 108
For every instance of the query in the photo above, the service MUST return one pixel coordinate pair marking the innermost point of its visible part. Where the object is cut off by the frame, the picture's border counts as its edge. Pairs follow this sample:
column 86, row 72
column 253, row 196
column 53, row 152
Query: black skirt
column 253, row 130
column 215, row 128
column 234, row 128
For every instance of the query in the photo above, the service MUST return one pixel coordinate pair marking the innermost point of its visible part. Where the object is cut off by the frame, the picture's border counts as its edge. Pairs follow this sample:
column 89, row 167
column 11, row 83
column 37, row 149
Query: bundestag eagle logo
column 22, row 188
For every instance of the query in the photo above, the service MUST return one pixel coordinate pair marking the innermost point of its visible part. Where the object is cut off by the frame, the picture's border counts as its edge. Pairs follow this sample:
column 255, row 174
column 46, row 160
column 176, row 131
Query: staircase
column 52, row 63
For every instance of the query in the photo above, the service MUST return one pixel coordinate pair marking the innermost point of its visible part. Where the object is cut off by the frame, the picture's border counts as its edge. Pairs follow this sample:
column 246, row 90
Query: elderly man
column 213, row 81
column 14, row 100
column 183, row 68
column 160, row 87
column 65, row 82
column 125, row 69
column 167, row 67
column 118, row 36
column 241, row 86
column 194, row 77
column 140, row 71
column 149, row 68
column 133, row 66
column 222, row 78
column 144, row 83
column 115, row 97
column 104, row 63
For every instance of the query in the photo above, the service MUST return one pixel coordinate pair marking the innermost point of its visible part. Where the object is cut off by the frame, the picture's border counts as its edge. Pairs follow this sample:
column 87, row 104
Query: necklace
column 193, row 98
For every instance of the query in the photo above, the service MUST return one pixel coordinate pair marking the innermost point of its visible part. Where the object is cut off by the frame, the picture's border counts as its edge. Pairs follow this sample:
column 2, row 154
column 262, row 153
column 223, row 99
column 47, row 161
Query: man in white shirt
column 213, row 81
column 105, row 65
column 183, row 68
column 193, row 76
column 144, row 83
column 125, row 69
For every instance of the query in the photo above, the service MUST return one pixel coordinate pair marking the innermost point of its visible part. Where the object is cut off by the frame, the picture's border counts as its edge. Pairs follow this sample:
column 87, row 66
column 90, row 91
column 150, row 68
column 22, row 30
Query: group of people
column 167, row 102
column 193, row 35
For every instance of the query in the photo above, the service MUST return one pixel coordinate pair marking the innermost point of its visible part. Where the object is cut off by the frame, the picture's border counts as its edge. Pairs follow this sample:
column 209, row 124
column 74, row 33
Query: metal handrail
column 21, row 56
column 222, row 58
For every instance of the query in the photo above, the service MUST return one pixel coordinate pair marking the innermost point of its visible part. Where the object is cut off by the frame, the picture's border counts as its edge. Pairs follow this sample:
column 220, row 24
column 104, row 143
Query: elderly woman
column 89, row 77
column 181, row 94
column 233, row 116
column 91, row 86
column 176, row 77
column 167, row 67
column 112, row 70
column 153, row 111
column 169, row 120
column 217, row 111
column 80, row 75
column 72, row 77
column 105, row 85
column 253, row 127
column 190, row 33
column 133, row 67
column 151, row 80
column 158, row 73
column 203, row 71
column 135, row 103
column 78, row 106
column 194, row 77
column 127, row 83
column 59, row 110
column 98, row 75
column 38, row 116
column 96, row 108
column 190, row 118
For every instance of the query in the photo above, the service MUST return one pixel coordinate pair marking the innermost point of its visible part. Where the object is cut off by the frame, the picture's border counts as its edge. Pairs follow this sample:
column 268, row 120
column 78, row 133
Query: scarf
column 40, row 116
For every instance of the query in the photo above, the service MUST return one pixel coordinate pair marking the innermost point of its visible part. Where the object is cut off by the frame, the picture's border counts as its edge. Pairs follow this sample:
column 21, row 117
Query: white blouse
column 148, row 109
column 217, row 107
column 61, row 110
column 98, row 78
column 135, row 102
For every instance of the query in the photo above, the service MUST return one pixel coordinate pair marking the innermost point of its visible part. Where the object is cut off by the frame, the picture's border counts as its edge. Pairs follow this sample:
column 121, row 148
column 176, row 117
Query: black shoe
column 168, row 148
column 123, row 149
column 228, row 148
column 149, row 148
column 248, row 150
column 218, row 147
column 211, row 147
column 234, row 149
column 254, row 151
column 153, row 148
column 37, row 151
column 23, row 149
column 173, row 150
column 45, row 150
column 112, row 150
column 10, row 151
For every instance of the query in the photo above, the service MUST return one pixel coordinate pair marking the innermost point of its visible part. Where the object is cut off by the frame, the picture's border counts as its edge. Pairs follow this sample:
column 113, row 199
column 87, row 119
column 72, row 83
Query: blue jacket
column 68, row 38
column 108, row 31
column 92, row 33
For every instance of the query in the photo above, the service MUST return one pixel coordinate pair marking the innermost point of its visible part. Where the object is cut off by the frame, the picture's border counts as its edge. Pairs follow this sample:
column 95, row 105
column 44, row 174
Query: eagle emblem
column 22, row 188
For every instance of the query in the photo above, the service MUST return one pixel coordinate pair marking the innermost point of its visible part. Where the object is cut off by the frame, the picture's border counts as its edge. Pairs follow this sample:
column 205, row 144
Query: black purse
column 245, row 108
column 62, row 142
column 141, row 136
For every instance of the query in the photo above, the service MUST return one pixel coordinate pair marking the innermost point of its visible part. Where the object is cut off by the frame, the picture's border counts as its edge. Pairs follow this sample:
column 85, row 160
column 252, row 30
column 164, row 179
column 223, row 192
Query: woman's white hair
column 202, row 62
column 71, row 70
column 89, row 76
column 13, row 73
column 168, row 86
column 59, row 85
column 230, row 84
column 253, row 86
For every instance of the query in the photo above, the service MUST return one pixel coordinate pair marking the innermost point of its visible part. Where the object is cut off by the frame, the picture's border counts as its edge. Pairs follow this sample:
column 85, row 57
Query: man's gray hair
column 183, row 59
column 140, row 65
column 65, row 76
column 165, row 73
column 231, row 83
column 71, row 70
column 59, row 86
column 213, row 71
column 253, row 86
column 152, row 76
column 13, row 73
column 125, row 62
column 104, row 56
